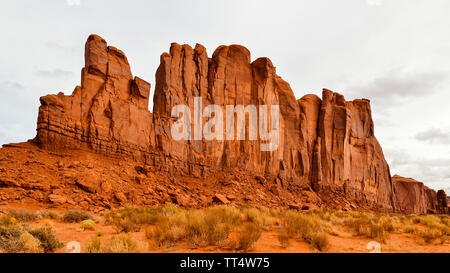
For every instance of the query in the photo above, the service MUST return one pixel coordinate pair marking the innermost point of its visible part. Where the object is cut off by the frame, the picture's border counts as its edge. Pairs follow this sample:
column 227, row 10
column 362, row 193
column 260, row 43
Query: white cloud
column 374, row 2
column 54, row 73
column 434, row 135
column 73, row 2
column 397, row 87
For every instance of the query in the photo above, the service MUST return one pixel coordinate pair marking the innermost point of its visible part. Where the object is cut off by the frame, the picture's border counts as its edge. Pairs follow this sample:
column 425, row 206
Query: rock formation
column 414, row 197
column 326, row 146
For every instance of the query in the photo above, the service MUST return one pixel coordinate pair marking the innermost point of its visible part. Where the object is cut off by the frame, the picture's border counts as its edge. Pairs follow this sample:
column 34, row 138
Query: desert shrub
column 10, row 238
column 169, row 209
column 225, row 214
column 433, row 222
column 211, row 226
column 198, row 227
column 249, row 236
column 76, row 216
column 324, row 213
column 429, row 235
column 94, row 246
column 23, row 215
column 131, row 219
column 87, row 224
column 258, row 217
column 445, row 220
column 371, row 225
column 47, row 214
column 6, row 220
column 319, row 240
column 29, row 243
column 47, row 237
column 19, row 239
column 300, row 225
column 410, row 229
column 167, row 234
column 387, row 223
column 124, row 224
column 122, row 243
column 308, row 227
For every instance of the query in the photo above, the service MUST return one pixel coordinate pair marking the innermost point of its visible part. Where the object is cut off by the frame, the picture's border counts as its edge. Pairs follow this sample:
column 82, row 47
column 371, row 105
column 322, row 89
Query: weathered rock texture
column 327, row 144
column 414, row 197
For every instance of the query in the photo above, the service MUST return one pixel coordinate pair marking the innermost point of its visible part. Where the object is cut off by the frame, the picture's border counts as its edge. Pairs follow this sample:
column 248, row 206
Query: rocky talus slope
column 102, row 147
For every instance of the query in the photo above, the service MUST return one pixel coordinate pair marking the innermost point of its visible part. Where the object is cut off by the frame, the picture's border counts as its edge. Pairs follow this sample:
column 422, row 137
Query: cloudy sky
column 396, row 53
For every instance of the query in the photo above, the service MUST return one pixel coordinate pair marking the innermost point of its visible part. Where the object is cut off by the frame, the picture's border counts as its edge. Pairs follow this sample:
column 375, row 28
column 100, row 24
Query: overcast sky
column 396, row 53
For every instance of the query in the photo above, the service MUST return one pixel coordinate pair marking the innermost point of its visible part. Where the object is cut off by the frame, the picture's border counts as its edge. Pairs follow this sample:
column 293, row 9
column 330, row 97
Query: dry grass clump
column 28, row 216
column 23, row 215
column 169, row 231
column 76, row 216
column 131, row 219
column 329, row 215
column 319, row 240
column 429, row 235
column 210, row 226
column 371, row 225
column 122, row 243
column 47, row 214
column 409, row 228
column 249, row 236
column 429, row 228
column 259, row 217
column 308, row 227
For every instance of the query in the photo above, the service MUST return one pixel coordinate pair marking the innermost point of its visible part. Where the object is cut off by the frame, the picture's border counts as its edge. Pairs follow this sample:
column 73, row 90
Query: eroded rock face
column 347, row 156
column 327, row 144
column 107, row 113
column 414, row 197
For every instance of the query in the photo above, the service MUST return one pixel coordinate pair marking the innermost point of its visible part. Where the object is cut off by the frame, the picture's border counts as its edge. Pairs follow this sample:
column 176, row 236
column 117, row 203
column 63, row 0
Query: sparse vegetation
column 87, row 224
column 23, row 215
column 308, row 227
column 429, row 235
column 222, row 226
column 17, row 238
column 249, row 236
column 29, row 243
column 371, row 225
column 130, row 219
column 76, row 216
column 47, row 237
column 122, row 243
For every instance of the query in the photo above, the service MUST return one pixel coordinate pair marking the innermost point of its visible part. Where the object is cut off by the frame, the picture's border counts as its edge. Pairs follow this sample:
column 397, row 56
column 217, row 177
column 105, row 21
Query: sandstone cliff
column 327, row 151
column 326, row 143
column 414, row 197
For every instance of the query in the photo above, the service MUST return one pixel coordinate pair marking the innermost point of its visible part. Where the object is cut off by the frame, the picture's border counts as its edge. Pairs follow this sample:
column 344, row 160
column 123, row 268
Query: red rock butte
column 327, row 155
